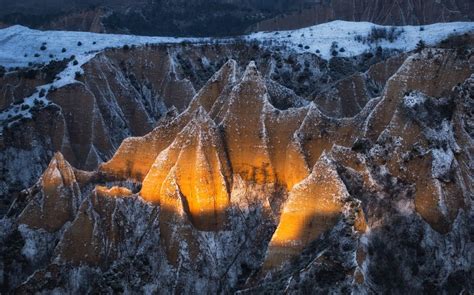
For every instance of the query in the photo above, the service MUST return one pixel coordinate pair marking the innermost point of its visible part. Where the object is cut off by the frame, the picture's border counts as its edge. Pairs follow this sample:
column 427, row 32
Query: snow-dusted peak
column 251, row 73
column 227, row 72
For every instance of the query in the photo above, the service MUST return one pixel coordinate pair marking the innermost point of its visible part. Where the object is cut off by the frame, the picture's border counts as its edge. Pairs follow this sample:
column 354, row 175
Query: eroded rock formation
column 240, row 194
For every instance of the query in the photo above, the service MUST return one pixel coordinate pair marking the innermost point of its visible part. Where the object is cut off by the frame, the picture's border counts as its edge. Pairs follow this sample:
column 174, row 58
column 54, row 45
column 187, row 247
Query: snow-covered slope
column 20, row 46
column 320, row 37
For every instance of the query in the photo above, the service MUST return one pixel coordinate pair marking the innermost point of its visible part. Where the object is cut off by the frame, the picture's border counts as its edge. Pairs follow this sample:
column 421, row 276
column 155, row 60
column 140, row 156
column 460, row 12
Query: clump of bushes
column 29, row 74
column 378, row 34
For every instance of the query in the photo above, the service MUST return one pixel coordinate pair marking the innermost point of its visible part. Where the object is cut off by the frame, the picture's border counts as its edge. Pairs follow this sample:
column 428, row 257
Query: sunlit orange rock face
column 136, row 155
column 57, row 199
column 231, row 128
column 115, row 191
column 313, row 206
column 244, row 126
column 193, row 170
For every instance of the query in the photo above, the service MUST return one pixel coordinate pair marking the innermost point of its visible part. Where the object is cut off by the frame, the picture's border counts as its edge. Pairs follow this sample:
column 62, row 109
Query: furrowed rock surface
column 313, row 206
column 251, row 189
column 413, row 12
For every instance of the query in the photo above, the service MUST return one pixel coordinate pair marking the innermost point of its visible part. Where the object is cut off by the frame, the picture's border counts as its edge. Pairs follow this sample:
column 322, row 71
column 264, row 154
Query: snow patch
column 413, row 99
column 442, row 160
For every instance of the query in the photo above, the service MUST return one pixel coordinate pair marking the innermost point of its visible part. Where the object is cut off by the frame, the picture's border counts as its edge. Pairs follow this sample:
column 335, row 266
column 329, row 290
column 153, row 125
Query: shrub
column 63, row 50
column 75, row 63
column 2, row 71
column 333, row 49
column 342, row 49
column 422, row 29
column 377, row 34
column 306, row 47
column 126, row 47
column 37, row 55
column 420, row 46
column 43, row 47
column 42, row 93
column 379, row 51
column 30, row 74
column 77, row 75
column 79, row 43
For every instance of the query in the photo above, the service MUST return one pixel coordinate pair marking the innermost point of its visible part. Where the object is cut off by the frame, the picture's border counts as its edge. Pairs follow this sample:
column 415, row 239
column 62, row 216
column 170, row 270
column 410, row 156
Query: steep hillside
column 223, row 17
column 384, row 12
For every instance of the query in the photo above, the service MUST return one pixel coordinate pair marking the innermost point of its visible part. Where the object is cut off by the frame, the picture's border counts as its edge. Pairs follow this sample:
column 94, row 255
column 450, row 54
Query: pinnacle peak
column 251, row 73
column 58, row 156
column 228, row 69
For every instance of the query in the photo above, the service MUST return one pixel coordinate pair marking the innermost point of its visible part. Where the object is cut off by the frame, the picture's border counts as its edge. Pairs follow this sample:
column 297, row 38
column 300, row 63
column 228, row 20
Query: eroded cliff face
column 123, row 93
column 252, row 188
column 406, row 12
column 224, row 17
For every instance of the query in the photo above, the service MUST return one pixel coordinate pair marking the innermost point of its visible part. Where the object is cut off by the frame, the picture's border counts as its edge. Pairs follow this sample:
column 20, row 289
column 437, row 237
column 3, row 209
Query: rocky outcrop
column 313, row 207
column 348, row 96
column 193, row 171
column 58, row 199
